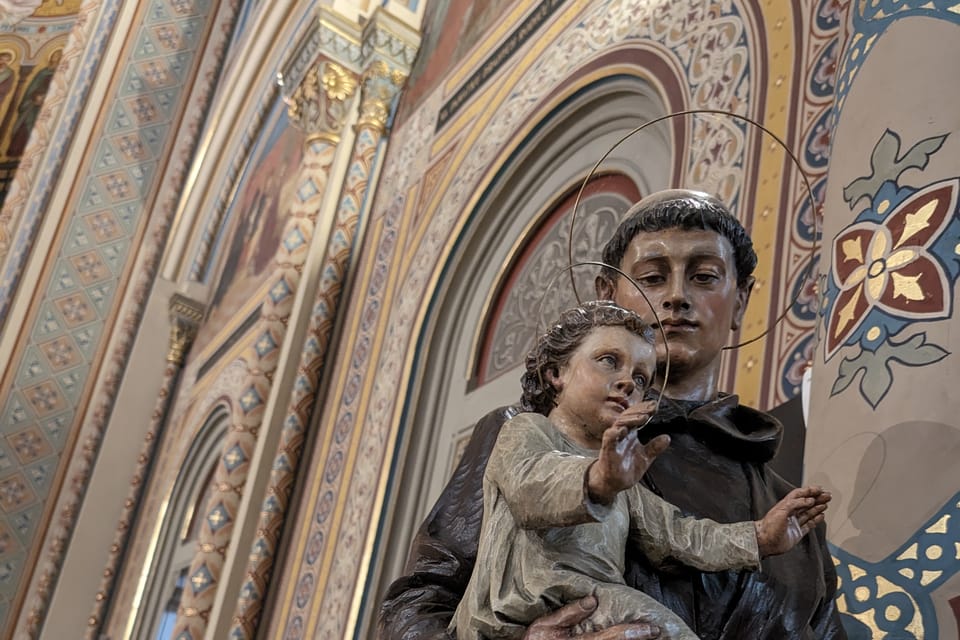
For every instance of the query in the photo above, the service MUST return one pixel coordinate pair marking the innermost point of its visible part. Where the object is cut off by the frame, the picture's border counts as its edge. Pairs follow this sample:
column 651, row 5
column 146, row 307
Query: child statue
column 561, row 492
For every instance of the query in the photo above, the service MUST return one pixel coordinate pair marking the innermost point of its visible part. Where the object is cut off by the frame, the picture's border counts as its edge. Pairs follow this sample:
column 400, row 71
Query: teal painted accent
column 915, row 571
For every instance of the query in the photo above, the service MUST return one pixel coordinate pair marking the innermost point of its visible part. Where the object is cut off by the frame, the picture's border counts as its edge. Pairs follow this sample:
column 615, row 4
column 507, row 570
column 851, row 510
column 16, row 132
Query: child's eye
column 640, row 381
column 608, row 359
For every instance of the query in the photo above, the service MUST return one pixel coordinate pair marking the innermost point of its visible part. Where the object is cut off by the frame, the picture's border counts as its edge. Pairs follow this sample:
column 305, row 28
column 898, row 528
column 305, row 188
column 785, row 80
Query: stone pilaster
column 185, row 317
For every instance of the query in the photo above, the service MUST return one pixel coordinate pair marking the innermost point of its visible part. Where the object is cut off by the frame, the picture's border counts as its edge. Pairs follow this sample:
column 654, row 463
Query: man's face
column 690, row 278
column 609, row 372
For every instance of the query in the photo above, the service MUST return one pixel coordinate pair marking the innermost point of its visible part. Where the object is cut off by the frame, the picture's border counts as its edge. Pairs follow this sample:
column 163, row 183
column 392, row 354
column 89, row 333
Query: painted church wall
column 444, row 157
column 88, row 210
column 884, row 435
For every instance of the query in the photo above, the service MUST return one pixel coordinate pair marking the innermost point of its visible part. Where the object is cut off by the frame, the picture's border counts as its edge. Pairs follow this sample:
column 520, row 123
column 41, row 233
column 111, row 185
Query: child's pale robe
column 544, row 544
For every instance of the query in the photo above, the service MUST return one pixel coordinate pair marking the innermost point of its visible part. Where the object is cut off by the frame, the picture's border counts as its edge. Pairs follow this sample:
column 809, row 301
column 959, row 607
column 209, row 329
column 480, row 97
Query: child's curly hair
column 555, row 348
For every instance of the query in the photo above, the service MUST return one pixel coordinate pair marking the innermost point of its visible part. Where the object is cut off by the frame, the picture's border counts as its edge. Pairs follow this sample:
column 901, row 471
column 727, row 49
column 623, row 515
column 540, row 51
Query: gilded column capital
column 319, row 105
column 381, row 83
column 185, row 317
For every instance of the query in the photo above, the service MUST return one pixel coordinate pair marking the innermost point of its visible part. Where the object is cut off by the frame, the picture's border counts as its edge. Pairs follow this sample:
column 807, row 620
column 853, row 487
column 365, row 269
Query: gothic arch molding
column 176, row 528
column 573, row 128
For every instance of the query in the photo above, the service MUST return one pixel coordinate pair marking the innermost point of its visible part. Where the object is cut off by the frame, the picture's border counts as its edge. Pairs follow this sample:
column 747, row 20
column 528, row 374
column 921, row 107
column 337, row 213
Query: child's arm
column 542, row 487
column 710, row 546
column 623, row 458
column 790, row 519
column 664, row 533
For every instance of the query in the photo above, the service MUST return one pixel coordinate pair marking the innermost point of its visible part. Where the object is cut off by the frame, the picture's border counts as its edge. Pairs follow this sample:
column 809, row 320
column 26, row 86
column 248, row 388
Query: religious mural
column 25, row 77
column 253, row 225
column 32, row 37
column 451, row 28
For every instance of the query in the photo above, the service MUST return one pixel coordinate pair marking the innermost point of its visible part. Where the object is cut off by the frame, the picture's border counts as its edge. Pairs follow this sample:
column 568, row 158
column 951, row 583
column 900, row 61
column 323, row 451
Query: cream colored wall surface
column 884, row 436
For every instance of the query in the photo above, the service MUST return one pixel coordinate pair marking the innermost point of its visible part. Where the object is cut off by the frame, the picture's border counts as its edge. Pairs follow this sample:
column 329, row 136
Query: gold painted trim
column 137, row 600
column 331, row 25
column 768, row 188
column 363, row 410
column 216, row 339
column 366, row 557
column 323, row 136
column 327, row 429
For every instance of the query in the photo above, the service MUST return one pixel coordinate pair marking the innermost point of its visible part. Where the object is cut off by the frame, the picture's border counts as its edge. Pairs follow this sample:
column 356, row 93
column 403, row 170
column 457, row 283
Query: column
column 185, row 317
column 319, row 106
column 380, row 85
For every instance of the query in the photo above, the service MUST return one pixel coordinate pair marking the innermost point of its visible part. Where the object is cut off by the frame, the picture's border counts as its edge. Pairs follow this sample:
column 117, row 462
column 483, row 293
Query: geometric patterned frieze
column 7, row 459
column 104, row 225
column 76, row 309
column 29, row 445
column 89, row 261
column 8, row 542
column 15, row 493
column 33, row 369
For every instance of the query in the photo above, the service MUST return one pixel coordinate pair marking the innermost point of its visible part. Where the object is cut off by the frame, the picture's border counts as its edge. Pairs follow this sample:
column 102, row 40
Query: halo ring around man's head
column 716, row 112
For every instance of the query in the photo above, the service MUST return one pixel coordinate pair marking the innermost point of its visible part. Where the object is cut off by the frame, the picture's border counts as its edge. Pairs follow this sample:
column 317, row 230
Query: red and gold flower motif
column 888, row 265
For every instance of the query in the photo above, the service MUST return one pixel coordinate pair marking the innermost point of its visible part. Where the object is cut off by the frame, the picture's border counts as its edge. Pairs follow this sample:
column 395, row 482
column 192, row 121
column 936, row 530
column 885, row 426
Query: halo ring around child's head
column 716, row 112
column 656, row 318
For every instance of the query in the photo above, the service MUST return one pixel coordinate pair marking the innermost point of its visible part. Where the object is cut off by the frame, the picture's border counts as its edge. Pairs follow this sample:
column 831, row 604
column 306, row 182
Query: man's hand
column 561, row 624
column 791, row 519
column 623, row 458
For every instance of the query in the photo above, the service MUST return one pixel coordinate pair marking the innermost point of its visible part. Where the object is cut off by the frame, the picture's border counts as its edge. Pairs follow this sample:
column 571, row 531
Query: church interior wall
column 351, row 261
column 434, row 177
column 883, row 428
column 85, row 285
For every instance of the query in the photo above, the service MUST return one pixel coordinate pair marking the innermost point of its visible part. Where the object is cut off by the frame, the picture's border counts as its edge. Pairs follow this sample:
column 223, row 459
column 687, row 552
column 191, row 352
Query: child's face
column 608, row 372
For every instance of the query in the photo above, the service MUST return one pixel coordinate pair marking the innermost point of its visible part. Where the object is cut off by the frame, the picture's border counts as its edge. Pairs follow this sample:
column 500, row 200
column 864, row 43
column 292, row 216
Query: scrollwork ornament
column 185, row 317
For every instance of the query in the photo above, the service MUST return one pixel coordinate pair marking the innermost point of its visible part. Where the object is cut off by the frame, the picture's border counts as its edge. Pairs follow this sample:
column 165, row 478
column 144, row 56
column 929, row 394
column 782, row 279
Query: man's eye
column 705, row 278
column 650, row 279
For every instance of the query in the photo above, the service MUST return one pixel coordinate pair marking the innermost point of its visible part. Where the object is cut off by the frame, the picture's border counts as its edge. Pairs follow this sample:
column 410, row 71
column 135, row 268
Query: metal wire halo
column 716, row 112
column 663, row 334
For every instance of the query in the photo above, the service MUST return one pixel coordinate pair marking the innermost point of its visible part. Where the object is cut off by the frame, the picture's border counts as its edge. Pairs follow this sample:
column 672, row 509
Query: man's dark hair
column 680, row 209
column 555, row 347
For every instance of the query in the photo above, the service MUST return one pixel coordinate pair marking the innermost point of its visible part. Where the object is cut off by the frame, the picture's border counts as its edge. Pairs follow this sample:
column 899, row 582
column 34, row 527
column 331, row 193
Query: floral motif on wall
column 893, row 267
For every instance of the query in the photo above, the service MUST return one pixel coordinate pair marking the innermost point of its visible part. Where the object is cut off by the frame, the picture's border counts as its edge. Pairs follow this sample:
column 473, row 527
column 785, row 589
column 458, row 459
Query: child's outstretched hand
column 791, row 519
column 623, row 458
